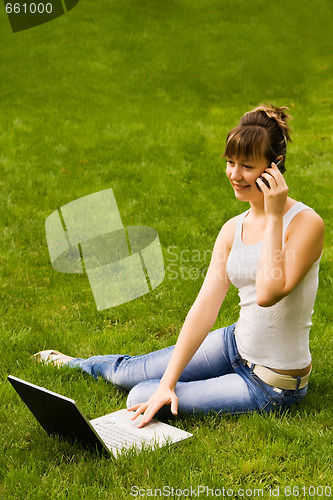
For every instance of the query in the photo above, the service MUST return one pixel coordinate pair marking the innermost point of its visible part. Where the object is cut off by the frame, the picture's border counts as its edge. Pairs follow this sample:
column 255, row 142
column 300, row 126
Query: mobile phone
column 280, row 166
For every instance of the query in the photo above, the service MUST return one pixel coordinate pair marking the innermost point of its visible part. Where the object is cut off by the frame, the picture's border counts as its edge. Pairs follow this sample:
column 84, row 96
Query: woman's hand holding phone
column 281, row 168
column 275, row 190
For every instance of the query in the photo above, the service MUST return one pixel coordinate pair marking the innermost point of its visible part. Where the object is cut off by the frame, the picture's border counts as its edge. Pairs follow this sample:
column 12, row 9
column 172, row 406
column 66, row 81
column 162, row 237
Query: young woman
column 271, row 253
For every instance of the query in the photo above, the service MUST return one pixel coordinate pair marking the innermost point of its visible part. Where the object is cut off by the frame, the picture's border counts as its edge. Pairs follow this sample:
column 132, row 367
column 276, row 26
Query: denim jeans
column 215, row 380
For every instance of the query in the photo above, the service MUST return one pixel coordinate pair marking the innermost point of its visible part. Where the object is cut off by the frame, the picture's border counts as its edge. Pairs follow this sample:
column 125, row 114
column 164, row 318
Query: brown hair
column 262, row 132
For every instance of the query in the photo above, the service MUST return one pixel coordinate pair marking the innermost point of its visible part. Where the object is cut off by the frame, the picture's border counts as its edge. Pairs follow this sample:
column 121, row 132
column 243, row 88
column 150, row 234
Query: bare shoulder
column 306, row 220
column 306, row 233
column 227, row 233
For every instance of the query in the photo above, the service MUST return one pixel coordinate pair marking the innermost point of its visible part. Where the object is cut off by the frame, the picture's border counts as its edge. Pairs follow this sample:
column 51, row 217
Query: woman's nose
column 235, row 173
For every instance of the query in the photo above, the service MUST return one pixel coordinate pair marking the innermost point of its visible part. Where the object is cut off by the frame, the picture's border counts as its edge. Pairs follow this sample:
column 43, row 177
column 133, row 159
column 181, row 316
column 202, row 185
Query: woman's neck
column 257, row 209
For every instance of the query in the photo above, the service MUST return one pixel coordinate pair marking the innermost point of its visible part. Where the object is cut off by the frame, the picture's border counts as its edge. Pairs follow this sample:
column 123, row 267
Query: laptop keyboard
column 118, row 437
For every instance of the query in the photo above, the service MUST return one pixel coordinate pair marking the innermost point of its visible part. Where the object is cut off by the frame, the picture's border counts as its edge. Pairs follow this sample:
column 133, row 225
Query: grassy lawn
column 138, row 97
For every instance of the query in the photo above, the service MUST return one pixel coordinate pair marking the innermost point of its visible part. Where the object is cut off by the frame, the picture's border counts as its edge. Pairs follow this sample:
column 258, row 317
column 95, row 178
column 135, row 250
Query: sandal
column 51, row 357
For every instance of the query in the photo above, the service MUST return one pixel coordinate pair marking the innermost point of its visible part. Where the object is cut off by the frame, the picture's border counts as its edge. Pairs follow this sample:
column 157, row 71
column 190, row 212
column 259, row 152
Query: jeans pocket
column 268, row 398
column 274, row 399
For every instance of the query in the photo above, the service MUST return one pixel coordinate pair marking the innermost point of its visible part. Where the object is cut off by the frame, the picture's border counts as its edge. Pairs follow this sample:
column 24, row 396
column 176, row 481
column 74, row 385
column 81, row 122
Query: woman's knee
column 141, row 392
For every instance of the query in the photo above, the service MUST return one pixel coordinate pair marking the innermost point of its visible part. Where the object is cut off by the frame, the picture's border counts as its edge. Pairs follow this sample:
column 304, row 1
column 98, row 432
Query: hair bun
column 261, row 133
column 279, row 114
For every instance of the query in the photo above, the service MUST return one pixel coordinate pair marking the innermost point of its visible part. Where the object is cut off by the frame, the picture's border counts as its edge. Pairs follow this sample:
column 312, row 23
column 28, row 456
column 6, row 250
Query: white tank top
column 275, row 336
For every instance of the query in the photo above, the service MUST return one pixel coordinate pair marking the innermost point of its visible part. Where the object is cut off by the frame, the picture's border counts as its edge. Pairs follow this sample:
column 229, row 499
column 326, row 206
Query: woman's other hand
column 161, row 397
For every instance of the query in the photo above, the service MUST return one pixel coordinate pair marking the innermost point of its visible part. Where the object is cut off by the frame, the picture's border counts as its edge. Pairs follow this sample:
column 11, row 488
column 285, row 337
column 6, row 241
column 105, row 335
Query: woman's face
column 242, row 174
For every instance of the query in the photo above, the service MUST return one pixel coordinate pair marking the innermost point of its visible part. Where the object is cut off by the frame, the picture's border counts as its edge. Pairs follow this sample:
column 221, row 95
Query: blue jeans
column 214, row 380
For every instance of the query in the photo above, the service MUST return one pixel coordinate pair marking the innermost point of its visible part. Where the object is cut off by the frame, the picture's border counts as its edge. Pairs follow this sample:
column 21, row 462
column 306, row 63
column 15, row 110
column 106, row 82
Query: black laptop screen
column 57, row 414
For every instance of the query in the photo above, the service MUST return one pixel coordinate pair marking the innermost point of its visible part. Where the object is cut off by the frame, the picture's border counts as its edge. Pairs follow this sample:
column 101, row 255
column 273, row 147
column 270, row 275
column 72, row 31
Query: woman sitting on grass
column 271, row 253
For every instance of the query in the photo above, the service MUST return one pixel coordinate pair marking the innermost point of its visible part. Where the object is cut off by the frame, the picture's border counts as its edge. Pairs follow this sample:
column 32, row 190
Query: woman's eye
column 248, row 167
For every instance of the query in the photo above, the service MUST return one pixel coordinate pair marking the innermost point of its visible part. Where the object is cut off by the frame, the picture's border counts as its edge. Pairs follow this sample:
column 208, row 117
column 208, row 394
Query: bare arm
column 197, row 325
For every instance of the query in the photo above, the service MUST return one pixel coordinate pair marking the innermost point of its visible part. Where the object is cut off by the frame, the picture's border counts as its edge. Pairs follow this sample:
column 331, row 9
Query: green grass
column 139, row 96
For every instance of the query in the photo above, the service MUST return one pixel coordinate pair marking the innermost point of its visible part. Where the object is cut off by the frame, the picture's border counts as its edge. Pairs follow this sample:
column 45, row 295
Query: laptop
column 112, row 433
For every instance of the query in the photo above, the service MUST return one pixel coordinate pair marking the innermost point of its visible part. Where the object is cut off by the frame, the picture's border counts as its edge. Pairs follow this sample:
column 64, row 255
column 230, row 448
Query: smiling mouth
column 240, row 188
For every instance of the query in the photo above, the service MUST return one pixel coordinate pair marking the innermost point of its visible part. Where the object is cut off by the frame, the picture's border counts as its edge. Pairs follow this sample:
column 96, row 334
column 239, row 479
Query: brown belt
column 278, row 380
